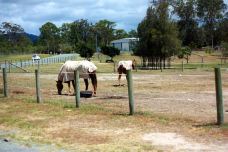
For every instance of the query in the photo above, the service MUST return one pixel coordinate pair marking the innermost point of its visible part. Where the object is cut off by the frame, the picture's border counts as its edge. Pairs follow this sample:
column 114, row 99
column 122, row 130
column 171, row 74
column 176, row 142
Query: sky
column 32, row 14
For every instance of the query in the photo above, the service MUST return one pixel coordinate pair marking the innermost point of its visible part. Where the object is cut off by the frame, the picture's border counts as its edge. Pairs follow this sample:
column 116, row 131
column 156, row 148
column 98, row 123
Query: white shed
column 125, row 44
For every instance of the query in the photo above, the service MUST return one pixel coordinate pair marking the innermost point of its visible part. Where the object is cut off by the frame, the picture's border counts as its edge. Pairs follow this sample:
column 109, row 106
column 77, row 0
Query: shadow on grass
column 140, row 113
column 113, row 97
column 212, row 125
column 118, row 85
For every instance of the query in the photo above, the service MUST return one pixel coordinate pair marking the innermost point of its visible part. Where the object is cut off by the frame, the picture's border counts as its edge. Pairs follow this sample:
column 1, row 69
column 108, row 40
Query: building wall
column 117, row 45
column 125, row 44
column 125, row 47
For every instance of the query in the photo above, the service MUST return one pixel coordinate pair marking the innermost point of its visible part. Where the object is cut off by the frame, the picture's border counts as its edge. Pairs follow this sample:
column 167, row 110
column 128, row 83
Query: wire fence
column 182, row 94
column 26, row 65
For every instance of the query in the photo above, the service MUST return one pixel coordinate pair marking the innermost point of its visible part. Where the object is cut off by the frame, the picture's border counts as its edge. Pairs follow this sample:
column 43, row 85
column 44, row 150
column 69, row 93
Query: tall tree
column 65, row 44
column 222, row 32
column 158, row 36
column 13, row 38
column 133, row 33
column 188, row 26
column 65, row 32
column 210, row 11
column 50, row 37
column 11, row 31
column 82, row 37
column 105, row 31
column 120, row 33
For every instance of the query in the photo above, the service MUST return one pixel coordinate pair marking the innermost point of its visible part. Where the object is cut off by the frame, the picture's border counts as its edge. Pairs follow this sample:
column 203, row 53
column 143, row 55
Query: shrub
column 110, row 51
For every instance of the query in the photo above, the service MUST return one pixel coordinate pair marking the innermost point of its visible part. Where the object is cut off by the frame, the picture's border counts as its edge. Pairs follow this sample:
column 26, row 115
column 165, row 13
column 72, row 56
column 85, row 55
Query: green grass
column 103, row 67
column 224, row 126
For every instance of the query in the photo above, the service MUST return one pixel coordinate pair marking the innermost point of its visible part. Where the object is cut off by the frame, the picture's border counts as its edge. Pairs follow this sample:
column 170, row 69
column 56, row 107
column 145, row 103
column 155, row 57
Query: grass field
column 170, row 101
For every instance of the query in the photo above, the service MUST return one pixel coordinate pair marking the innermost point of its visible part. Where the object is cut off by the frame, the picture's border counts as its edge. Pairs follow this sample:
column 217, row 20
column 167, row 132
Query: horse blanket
column 125, row 64
column 67, row 70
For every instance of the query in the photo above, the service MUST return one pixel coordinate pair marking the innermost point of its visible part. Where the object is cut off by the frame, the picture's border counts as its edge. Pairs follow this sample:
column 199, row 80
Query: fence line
column 28, row 63
column 131, row 94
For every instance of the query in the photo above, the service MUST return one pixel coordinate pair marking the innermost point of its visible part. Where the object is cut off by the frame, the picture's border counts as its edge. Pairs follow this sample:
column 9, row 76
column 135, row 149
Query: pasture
column 167, row 103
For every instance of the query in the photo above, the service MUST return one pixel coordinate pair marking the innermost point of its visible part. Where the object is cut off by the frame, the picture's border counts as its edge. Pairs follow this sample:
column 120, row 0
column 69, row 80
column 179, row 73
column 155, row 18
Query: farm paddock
column 177, row 108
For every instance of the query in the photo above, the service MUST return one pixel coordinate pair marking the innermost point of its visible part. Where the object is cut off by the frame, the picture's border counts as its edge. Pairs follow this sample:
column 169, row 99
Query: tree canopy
column 158, row 35
column 167, row 26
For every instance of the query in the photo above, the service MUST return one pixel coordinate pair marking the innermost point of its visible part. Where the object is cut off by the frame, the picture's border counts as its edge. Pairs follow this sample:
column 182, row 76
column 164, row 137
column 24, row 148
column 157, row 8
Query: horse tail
column 93, row 77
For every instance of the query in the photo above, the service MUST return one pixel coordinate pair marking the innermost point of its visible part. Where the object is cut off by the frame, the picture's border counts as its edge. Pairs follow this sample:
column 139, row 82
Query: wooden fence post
column 77, row 88
column 5, row 90
column 202, row 62
column 5, row 63
column 114, row 68
column 37, row 86
column 38, row 65
column 9, row 64
column 130, row 91
column 219, row 97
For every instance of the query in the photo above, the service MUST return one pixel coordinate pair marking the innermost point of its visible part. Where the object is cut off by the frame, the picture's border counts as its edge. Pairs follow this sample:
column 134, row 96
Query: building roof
column 125, row 40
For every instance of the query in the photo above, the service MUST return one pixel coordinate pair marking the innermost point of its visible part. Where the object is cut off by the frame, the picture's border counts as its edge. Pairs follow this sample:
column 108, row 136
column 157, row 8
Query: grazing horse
column 123, row 66
column 86, row 70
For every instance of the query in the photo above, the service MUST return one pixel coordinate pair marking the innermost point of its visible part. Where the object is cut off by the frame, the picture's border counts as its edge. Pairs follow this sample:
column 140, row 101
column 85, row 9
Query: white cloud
column 32, row 14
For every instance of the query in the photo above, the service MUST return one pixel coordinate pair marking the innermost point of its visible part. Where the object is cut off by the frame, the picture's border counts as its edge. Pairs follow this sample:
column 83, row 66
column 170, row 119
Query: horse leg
column 120, row 71
column 73, row 84
column 119, row 78
column 86, row 84
column 94, row 82
column 68, row 83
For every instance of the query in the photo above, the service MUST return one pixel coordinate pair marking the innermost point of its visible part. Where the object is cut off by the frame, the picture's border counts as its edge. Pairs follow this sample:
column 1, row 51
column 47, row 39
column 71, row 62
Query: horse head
column 59, row 85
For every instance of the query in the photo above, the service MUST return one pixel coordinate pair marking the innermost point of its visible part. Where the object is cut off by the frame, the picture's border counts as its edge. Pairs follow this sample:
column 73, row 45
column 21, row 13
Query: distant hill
column 32, row 37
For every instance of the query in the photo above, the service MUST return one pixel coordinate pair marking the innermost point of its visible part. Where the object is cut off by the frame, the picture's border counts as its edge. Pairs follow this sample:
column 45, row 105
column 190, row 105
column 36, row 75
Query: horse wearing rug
column 86, row 70
column 123, row 66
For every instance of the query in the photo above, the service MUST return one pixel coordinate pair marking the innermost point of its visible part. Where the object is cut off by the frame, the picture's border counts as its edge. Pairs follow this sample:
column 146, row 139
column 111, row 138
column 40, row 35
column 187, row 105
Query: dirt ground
column 173, row 112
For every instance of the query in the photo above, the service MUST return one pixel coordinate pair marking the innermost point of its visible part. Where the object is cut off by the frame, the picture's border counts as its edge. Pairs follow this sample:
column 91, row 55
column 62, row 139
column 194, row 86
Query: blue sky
column 32, row 14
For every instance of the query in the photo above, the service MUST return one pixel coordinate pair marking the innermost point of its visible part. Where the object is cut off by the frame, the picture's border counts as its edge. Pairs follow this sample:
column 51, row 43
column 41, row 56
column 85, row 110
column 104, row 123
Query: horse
column 86, row 70
column 123, row 66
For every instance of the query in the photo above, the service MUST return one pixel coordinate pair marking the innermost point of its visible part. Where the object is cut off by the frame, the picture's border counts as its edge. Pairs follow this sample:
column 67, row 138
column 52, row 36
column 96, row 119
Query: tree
column 184, row 52
column 132, row 33
column 187, row 25
column 157, row 36
column 110, row 51
column 225, row 49
column 105, row 31
column 120, row 33
column 13, row 39
column 65, row 32
column 222, row 32
column 11, row 31
column 210, row 11
column 50, row 36
column 82, row 37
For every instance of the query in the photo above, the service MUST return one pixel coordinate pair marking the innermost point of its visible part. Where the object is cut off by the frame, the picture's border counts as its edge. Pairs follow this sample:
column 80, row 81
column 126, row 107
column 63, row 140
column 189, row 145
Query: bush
column 184, row 52
column 208, row 50
column 225, row 49
column 85, row 51
column 110, row 51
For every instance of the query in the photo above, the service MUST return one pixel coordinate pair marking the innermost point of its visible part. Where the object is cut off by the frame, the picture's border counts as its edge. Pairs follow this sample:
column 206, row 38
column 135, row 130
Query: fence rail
column 22, row 64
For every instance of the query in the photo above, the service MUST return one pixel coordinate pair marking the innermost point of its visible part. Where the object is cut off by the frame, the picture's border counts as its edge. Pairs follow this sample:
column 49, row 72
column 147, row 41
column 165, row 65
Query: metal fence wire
column 180, row 94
